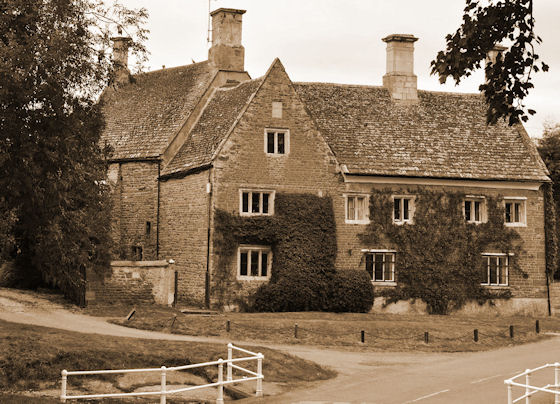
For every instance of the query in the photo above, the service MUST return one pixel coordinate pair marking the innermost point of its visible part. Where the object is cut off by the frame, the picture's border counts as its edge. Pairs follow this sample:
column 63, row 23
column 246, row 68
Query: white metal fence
column 529, row 389
column 231, row 363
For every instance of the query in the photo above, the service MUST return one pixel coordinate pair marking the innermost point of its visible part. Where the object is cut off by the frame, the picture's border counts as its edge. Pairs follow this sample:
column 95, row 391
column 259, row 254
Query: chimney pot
column 400, row 79
column 226, row 52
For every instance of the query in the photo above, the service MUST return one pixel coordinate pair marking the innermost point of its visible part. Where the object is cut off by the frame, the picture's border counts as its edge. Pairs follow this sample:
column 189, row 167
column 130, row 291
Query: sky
column 340, row 41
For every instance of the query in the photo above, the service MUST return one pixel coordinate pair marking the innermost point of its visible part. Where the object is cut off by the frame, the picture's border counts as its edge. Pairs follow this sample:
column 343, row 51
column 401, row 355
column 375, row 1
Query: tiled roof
column 444, row 135
column 143, row 117
column 212, row 127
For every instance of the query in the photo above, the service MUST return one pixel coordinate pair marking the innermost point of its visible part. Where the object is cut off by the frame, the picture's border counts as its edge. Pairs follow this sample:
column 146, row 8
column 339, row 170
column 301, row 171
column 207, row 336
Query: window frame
column 276, row 131
column 483, row 208
column 487, row 257
column 252, row 191
column 411, row 209
column 251, row 248
column 522, row 201
column 365, row 219
column 393, row 253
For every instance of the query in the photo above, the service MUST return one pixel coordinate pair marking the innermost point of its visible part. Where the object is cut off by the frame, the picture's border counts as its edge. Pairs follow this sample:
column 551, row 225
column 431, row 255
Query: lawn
column 31, row 358
column 398, row 332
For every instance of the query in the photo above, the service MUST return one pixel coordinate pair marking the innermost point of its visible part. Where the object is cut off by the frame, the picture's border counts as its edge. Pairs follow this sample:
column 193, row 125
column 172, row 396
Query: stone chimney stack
column 493, row 55
column 400, row 79
column 226, row 52
column 120, row 59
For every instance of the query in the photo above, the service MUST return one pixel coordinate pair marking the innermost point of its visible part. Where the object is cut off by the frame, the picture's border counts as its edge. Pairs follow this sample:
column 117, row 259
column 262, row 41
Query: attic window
column 276, row 141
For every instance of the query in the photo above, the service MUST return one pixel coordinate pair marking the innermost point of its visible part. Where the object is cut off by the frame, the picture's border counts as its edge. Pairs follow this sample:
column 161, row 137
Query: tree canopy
column 485, row 25
column 54, row 63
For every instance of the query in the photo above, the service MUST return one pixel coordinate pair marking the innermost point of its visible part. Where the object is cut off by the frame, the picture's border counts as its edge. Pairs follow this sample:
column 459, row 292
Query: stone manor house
column 196, row 138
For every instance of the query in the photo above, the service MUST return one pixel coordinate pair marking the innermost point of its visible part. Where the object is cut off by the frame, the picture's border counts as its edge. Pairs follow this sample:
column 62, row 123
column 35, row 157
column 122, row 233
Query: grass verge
column 31, row 358
column 398, row 332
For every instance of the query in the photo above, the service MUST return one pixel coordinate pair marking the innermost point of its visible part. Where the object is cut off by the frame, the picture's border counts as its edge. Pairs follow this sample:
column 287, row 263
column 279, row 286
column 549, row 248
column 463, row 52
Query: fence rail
column 164, row 392
column 530, row 389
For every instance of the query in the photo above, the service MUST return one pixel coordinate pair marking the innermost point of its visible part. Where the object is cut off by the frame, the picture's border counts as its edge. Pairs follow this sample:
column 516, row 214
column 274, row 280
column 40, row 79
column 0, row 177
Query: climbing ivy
column 439, row 256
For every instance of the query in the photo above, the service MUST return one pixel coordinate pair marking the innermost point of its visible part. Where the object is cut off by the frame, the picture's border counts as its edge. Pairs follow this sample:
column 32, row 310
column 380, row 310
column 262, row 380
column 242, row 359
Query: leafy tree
column 549, row 149
column 485, row 25
column 53, row 65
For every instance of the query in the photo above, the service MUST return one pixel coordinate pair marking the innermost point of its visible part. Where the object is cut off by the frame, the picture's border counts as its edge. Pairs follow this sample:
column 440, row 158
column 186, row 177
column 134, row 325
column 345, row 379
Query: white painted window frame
column 251, row 191
column 365, row 219
column 483, row 208
column 522, row 211
column 411, row 207
column 286, row 133
column 394, row 262
column 250, row 248
column 487, row 264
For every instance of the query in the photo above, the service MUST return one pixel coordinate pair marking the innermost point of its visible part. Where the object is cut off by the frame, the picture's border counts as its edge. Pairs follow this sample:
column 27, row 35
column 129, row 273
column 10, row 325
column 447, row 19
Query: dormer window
column 276, row 141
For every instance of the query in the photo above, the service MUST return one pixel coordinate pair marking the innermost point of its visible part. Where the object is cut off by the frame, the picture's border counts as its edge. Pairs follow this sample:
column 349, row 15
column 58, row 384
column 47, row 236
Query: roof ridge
column 170, row 68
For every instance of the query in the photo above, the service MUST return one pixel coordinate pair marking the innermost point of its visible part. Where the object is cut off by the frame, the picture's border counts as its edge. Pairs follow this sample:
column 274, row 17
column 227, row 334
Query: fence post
column 527, row 383
column 475, row 335
column 426, row 337
column 295, row 331
column 228, row 326
column 363, row 336
column 63, row 385
column 220, row 399
column 229, row 376
column 163, row 396
column 537, row 327
column 511, row 331
column 510, row 394
column 557, row 382
column 259, row 390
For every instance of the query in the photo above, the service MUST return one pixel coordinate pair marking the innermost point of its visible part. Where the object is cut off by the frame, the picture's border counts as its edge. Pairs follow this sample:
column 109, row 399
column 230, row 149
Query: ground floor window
column 381, row 265
column 254, row 262
column 495, row 270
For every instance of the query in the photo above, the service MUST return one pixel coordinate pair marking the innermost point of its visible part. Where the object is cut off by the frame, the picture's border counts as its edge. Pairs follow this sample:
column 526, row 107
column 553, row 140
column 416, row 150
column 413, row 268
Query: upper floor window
column 515, row 211
column 381, row 265
column 495, row 270
column 403, row 209
column 253, row 203
column 357, row 209
column 276, row 141
column 474, row 210
column 254, row 263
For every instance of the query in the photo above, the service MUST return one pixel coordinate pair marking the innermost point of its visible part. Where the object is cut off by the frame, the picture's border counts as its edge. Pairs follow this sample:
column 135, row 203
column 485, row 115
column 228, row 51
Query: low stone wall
column 132, row 282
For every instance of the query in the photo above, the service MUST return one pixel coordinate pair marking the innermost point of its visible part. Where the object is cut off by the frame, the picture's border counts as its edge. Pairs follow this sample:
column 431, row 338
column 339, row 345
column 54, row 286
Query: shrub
column 350, row 291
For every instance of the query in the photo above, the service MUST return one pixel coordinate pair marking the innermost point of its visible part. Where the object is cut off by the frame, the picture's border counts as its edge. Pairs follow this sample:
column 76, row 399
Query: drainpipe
column 209, row 190
column 157, row 211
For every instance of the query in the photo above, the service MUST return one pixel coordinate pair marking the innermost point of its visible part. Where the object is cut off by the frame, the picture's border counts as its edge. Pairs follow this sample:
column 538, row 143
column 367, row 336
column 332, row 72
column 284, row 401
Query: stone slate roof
column 144, row 116
column 212, row 127
column 444, row 135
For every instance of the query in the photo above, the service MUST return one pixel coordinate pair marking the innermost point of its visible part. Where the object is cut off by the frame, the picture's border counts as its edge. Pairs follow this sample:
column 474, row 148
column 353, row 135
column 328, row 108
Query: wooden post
column 295, row 331
column 511, row 331
column 426, row 337
column 63, row 385
column 259, row 389
column 229, row 376
column 557, row 382
column 537, row 327
column 228, row 326
column 163, row 396
column 363, row 336
column 475, row 335
column 527, row 389
column 220, row 399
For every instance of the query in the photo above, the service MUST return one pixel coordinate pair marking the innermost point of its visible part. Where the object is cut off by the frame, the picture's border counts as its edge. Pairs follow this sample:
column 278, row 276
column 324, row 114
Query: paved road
column 369, row 377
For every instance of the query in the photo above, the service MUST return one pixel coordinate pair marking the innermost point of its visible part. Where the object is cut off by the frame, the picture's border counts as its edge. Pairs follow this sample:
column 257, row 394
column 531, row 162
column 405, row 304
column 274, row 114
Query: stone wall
column 132, row 282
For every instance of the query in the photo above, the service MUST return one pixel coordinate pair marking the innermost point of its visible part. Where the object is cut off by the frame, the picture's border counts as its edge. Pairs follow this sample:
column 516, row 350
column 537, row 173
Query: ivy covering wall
column 439, row 256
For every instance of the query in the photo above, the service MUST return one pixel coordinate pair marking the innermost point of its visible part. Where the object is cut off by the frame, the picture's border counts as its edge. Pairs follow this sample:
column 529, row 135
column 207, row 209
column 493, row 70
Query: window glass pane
column 388, row 267
column 270, row 142
column 379, row 267
column 484, row 271
column 243, row 264
column 256, row 196
column 281, row 148
column 477, row 211
column 245, row 202
column 503, row 270
column 397, row 208
column 265, row 202
column 264, row 263
column 369, row 265
column 468, row 211
column 493, row 270
column 517, row 210
column 508, row 213
column 406, row 204
column 360, row 208
column 351, row 208
column 254, row 263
